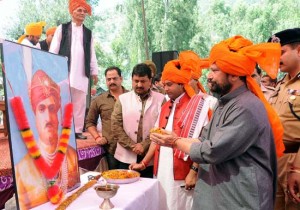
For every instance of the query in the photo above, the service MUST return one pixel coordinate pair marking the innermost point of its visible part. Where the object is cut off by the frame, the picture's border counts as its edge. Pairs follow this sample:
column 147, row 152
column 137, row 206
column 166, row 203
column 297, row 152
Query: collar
column 76, row 26
column 145, row 96
column 177, row 100
column 287, row 78
column 110, row 95
column 226, row 98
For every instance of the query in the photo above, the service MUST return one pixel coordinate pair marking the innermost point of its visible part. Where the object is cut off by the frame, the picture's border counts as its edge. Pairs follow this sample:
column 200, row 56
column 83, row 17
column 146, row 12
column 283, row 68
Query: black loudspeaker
column 161, row 58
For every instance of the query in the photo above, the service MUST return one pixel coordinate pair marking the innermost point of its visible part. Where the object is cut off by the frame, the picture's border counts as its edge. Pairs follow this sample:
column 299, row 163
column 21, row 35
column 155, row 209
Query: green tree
column 53, row 12
column 171, row 25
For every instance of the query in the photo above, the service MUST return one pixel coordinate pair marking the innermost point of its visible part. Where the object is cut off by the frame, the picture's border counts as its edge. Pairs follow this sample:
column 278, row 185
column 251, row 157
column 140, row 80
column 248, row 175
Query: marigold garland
column 49, row 171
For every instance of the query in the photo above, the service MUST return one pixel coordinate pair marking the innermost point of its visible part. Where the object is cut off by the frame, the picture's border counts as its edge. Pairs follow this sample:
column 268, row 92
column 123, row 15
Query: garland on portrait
column 49, row 171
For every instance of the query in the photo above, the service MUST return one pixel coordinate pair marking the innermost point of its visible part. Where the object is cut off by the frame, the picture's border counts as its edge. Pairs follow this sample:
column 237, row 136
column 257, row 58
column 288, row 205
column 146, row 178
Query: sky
column 6, row 10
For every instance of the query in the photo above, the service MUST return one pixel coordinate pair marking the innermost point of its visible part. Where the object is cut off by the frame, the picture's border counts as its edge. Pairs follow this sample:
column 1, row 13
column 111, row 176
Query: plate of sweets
column 121, row 176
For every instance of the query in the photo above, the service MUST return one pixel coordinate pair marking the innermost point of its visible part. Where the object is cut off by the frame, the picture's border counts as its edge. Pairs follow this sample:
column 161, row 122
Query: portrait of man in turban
column 32, row 185
column 43, row 149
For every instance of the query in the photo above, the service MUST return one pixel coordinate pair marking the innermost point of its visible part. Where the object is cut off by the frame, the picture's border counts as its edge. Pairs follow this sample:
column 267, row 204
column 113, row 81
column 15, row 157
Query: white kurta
column 172, row 196
column 78, row 80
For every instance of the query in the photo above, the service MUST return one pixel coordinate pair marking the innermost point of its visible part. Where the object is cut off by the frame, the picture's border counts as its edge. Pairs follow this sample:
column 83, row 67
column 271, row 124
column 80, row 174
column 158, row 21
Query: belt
column 291, row 146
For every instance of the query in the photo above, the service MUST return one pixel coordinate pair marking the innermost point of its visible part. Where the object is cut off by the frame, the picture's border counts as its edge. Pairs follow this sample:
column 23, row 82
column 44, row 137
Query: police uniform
column 286, row 101
column 287, row 92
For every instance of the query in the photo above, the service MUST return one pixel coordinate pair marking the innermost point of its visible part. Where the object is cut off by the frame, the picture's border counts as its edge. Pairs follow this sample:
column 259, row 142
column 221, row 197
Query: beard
column 220, row 89
column 32, row 42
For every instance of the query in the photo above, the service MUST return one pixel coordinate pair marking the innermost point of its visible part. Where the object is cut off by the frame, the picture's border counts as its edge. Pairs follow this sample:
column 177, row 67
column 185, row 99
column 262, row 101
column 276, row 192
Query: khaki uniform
column 287, row 90
column 279, row 100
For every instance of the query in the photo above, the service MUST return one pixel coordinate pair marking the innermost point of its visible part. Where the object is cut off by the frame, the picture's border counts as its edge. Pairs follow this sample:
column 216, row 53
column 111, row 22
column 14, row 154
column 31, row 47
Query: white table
column 140, row 195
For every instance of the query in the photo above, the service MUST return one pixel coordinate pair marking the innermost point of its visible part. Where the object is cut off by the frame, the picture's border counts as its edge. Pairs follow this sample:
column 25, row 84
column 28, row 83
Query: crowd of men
column 234, row 148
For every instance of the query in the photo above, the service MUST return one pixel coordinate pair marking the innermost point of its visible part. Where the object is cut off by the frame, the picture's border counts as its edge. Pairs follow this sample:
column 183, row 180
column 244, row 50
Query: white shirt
column 77, row 75
column 26, row 42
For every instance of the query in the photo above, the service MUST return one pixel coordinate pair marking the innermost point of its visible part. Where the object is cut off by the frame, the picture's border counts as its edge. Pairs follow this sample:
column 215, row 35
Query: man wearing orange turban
column 190, row 61
column 237, row 148
column 45, row 44
column 33, row 32
column 176, row 85
column 75, row 41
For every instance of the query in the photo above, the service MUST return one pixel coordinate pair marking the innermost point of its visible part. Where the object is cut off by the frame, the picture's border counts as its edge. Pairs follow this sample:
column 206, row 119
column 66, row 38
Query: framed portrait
column 40, row 124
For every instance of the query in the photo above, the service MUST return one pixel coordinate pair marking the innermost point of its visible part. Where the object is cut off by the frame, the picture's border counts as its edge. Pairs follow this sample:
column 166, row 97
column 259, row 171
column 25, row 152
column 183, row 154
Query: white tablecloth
column 140, row 195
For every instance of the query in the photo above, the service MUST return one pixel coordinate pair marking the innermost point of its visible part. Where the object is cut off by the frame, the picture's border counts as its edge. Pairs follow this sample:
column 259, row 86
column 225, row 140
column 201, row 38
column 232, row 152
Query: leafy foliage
column 171, row 25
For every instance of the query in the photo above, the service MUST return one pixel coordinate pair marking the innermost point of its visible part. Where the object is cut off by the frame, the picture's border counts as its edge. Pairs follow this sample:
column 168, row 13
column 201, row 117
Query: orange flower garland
column 49, row 171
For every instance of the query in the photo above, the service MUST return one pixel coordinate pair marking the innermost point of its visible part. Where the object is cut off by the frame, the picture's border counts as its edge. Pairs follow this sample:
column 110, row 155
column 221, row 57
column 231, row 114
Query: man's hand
column 101, row 140
column 293, row 186
column 190, row 180
column 138, row 148
column 166, row 139
column 137, row 166
column 95, row 79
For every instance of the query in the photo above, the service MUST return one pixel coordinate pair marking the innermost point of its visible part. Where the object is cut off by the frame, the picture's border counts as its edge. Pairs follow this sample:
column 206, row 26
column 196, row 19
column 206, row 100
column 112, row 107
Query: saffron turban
column 238, row 56
column 51, row 31
column 43, row 87
column 174, row 73
column 33, row 29
column 191, row 61
column 74, row 4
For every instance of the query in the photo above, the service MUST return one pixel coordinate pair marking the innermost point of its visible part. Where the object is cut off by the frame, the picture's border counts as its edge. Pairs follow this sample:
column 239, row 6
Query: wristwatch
column 194, row 168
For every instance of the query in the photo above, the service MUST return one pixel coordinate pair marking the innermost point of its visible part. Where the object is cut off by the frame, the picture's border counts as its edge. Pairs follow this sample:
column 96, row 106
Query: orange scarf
column 238, row 56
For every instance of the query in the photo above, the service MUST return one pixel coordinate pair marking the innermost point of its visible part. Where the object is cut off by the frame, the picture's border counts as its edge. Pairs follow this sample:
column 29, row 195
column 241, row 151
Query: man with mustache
column 102, row 106
column 286, row 102
column 31, row 184
column 209, row 85
column 135, row 113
